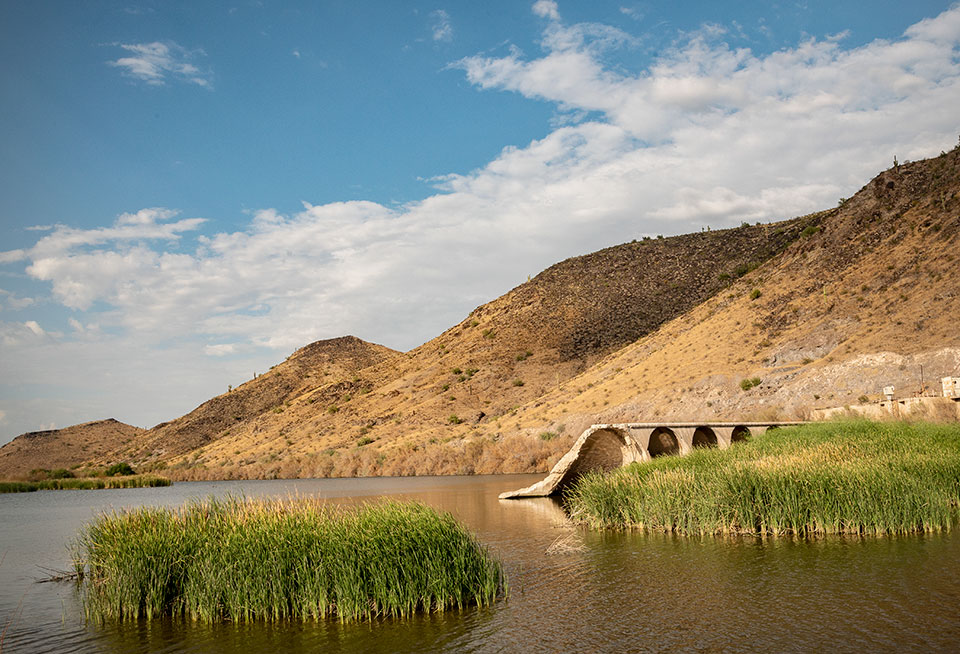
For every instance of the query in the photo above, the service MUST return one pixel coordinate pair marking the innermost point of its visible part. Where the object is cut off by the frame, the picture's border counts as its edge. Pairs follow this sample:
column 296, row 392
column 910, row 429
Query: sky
column 193, row 190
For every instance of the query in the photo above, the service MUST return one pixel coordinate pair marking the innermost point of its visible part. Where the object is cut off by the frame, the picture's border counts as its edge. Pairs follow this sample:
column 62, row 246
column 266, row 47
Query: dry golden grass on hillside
column 879, row 277
column 415, row 412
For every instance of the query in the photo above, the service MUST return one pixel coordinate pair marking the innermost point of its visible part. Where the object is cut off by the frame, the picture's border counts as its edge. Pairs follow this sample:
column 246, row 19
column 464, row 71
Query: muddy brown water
column 571, row 590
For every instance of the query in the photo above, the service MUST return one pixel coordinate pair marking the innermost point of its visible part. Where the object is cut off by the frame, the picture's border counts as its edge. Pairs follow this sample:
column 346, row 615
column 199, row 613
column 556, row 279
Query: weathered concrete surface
column 930, row 408
column 605, row 447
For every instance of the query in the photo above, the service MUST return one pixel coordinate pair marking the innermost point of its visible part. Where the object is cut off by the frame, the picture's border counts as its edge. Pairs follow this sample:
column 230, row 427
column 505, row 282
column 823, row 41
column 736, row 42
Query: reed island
column 855, row 477
column 240, row 559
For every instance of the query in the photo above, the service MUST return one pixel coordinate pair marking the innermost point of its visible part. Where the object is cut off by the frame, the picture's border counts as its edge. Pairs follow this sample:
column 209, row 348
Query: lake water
column 571, row 590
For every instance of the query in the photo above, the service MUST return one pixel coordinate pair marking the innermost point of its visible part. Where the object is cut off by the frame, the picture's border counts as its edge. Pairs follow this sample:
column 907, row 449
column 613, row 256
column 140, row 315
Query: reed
column 242, row 560
column 84, row 483
column 853, row 477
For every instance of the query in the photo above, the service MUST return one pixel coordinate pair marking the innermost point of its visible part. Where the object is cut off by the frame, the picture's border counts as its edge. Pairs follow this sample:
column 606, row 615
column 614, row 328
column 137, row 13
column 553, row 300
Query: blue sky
column 193, row 190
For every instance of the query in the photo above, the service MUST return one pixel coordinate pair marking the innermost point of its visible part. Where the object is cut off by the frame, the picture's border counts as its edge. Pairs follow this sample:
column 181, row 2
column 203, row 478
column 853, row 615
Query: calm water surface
column 571, row 590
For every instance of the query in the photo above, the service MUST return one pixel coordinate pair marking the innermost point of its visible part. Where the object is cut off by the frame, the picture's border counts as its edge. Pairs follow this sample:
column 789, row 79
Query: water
column 571, row 590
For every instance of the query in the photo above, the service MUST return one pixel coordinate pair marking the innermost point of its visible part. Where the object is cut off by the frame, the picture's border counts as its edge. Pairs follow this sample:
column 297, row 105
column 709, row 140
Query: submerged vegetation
column 236, row 559
column 83, row 483
column 829, row 478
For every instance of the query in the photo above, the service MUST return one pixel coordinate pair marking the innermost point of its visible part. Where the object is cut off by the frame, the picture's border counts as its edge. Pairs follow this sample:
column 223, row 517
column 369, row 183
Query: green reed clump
column 827, row 478
column 236, row 559
column 17, row 486
column 84, row 483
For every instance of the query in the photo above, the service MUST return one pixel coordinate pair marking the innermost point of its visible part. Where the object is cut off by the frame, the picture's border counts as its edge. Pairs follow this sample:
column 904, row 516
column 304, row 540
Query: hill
column 860, row 302
column 307, row 369
column 394, row 416
column 818, row 310
column 89, row 443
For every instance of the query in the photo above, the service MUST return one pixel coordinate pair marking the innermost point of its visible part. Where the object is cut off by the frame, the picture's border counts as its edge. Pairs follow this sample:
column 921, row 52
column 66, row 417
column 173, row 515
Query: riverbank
column 830, row 478
column 240, row 560
column 84, row 483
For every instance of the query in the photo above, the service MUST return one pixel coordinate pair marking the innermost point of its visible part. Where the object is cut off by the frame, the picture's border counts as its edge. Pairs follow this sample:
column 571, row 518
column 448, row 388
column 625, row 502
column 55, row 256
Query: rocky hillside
column 72, row 447
column 859, row 302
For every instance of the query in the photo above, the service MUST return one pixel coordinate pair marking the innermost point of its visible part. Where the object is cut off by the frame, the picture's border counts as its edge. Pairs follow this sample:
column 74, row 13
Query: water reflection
column 571, row 589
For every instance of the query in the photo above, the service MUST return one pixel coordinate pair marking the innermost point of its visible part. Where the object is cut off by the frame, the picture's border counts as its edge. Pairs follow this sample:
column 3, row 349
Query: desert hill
column 71, row 447
column 303, row 371
column 862, row 301
column 390, row 417
column 819, row 310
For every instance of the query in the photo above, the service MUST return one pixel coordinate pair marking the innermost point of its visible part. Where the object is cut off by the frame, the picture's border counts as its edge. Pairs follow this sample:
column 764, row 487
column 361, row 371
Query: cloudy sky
column 193, row 190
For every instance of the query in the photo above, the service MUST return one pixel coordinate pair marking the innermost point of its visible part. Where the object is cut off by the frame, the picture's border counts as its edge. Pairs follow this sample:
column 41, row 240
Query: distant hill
column 71, row 447
column 307, row 369
column 821, row 309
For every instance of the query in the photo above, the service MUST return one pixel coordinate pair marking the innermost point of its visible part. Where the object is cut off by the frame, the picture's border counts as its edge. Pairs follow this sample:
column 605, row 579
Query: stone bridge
column 605, row 447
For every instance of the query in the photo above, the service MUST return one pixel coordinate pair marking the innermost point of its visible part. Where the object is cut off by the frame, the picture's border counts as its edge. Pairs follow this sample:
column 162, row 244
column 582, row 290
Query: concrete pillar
column 685, row 438
column 633, row 451
column 724, row 436
column 641, row 439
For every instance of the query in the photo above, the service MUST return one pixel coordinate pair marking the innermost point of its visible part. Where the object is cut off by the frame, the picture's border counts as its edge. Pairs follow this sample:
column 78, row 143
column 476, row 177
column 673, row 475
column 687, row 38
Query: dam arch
column 663, row 441
column 604, row 447
column 704, row 437
column 740, row 433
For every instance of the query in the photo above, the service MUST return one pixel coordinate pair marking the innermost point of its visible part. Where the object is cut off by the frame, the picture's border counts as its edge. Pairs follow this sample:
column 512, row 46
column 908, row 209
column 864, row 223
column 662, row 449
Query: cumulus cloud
column 220, row 349
column 708, row 135
column 80, row 274
column 546, row 9
column 157, row 62
column 441, row 27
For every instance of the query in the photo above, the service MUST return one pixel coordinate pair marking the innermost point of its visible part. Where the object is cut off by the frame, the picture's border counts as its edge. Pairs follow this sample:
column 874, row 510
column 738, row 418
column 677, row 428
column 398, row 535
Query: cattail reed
column 84, row 483
column 241, row 560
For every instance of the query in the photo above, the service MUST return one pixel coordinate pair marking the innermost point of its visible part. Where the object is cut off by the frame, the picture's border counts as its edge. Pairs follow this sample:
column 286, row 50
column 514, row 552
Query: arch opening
column 663, row 441
column 704, row 437
column 603, row 450
column 740, row 433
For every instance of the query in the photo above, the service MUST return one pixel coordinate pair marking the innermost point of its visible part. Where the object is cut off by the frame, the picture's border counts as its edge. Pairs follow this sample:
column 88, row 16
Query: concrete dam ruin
column 605, row 447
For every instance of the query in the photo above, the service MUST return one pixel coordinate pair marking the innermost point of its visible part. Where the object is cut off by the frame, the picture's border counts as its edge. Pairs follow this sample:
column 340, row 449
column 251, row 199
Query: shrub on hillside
column 119, row 469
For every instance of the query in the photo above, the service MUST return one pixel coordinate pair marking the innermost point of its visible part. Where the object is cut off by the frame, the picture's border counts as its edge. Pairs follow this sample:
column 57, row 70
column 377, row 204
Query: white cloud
column 15, row 302
column 11, row 256
column 441, row 28
column 546, row 9
column 3, row 416
column 155, row 63
column 220, row 350
column 702, row 83
column 35, row 328
column 28, row 332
